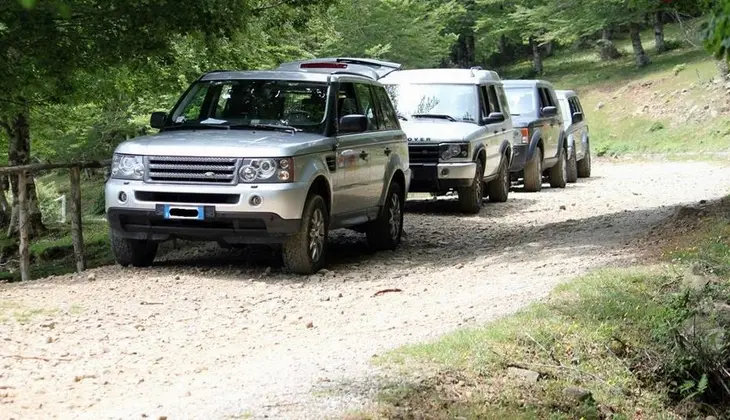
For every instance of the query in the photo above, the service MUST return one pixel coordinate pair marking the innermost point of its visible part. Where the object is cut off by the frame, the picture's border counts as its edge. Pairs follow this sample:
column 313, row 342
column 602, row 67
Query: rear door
column 391, row 140
column 579, row 121
column 550, row 126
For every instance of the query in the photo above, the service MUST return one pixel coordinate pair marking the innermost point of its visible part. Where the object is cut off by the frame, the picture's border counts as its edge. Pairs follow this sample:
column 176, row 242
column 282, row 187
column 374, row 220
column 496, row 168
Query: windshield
column 456, row 101
column 242, row 103
column 521, row 101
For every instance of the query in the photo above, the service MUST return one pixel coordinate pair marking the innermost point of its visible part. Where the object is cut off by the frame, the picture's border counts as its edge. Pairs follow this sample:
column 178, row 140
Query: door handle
column 387, row 151
column 363, row 155
column 504, row 129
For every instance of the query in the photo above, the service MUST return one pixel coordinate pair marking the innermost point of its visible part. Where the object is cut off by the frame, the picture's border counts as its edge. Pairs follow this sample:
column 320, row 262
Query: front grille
column 198, row 170
column 171, row 197
column 423, row 153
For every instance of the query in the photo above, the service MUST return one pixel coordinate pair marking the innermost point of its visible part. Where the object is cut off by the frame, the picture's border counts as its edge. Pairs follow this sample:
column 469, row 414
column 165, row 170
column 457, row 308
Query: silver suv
column 266, row 157
column 459, row 132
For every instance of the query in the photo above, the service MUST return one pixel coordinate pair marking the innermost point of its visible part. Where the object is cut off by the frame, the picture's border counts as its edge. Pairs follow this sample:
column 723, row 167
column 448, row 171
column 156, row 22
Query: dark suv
column 541, row 149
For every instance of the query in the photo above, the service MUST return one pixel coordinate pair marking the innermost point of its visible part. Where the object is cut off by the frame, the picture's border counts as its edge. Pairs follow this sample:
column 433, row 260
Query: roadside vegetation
column 650, row 341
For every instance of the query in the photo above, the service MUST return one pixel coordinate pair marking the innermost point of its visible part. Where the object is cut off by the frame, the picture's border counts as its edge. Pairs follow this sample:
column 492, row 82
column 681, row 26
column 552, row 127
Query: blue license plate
column 170, row 211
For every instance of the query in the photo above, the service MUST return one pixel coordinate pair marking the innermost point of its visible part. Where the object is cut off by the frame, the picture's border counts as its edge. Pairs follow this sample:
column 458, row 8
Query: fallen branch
column 384, row 291
column 45, row 359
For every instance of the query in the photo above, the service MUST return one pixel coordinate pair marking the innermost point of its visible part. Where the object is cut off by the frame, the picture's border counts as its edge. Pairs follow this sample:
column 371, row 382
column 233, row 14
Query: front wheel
column 533, row 172
column 559, row 173
column 499, row 188
column 470, row 198
column 584, row 165
column 384, row 233
column 572, row 168
column 134, row 252
column 305, row 252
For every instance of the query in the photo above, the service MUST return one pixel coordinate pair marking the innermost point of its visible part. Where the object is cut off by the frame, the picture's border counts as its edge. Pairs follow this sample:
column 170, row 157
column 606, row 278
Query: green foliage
column 718, row 31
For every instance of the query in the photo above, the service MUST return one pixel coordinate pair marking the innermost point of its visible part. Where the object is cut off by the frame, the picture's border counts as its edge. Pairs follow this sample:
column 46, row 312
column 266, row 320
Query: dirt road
column 207, row 334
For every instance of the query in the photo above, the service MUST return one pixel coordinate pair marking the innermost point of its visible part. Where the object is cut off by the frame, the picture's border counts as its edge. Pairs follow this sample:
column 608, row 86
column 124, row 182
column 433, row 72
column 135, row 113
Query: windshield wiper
column 271, row 127
column 195, row 126
column 441, row 116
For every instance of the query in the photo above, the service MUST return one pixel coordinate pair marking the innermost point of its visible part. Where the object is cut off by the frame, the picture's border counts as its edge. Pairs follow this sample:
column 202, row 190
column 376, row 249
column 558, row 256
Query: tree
column 44, row 46
column 717, row 38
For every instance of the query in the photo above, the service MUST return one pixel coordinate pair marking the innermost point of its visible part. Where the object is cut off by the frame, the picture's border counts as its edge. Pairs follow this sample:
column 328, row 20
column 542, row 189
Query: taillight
column 525, row 135
column 324, row 65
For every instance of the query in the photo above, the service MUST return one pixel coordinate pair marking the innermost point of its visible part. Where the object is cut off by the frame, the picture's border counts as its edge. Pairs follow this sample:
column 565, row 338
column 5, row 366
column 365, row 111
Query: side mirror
column 157, row 120
column 494, row 118
column 550, row 111
column 577, row 116
column 355, row 123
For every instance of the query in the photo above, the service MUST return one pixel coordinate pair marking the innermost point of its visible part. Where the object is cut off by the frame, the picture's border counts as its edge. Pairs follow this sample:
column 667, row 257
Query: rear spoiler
column 367, row 67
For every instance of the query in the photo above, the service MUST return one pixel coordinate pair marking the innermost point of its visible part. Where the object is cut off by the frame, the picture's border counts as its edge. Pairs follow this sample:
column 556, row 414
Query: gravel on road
column 214, row 333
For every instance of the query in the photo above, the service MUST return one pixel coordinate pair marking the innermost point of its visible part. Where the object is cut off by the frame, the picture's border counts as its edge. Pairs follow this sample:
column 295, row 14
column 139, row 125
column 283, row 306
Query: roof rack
column 374, row 69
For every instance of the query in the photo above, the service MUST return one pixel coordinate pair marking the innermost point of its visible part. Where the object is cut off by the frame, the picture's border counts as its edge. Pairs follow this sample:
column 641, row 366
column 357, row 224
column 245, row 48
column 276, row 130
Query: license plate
column 183, row 212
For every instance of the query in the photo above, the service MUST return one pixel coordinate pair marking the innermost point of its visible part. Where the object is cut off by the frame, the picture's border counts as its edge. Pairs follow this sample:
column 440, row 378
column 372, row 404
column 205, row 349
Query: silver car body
column 491, row 142
column 356, row 170
column 576, row 124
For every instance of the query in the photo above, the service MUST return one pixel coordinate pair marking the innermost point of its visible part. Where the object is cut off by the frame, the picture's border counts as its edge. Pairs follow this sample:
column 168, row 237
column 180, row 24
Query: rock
column 688, row 212
column 310, row 324
column 563, row 208
column 324, row 272
column 267, row 271
column 578, row 395
column 714, row 113
column 525, row 375
column 710, row 418
column 600, row 106
column 722, row 311
column 91, row 277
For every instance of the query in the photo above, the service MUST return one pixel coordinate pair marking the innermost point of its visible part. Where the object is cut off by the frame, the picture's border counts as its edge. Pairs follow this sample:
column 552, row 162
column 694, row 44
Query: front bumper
column 442, row 176
column 519, row 157
column 134, row 210
column 232, row 228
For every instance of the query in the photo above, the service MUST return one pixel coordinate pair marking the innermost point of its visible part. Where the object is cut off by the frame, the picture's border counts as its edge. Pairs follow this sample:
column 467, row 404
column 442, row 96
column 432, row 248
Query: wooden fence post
column 23, row 253
column 77, row 235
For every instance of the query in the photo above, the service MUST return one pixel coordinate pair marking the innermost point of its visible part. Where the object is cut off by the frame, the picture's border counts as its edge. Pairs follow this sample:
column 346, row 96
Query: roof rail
column 475, row 69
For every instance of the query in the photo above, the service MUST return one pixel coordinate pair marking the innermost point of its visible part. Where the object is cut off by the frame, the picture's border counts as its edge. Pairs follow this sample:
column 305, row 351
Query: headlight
column 127, row 167
column 266, row 170
column 454, row 150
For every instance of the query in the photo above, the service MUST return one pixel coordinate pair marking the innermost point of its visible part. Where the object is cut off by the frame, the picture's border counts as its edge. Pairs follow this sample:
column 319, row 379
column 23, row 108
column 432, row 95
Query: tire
column 470, row 198
column 559, row 173
column 306, row 251
column 384, row 233
column 134, row 252
column 533, row 172
column 572, row 169
column 498, row 189
column 584, row 165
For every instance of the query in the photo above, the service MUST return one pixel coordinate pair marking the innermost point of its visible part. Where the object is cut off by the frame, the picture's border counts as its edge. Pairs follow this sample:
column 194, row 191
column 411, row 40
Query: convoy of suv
column 284, row 156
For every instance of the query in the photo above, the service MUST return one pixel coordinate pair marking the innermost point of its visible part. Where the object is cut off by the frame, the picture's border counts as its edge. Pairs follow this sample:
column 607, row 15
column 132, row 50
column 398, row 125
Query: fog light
column 255, row 200
column 445, row 172
column 122, row 197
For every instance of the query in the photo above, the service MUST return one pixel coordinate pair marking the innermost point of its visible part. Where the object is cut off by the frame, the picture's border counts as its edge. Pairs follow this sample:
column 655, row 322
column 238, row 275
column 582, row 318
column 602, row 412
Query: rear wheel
column 533, row 172
column 134, row 252
column 306, row 251
column 498, row 189
column 385, row 232
column 572, row 168
column 559, row 173
column 584, row 165
column 470, row 198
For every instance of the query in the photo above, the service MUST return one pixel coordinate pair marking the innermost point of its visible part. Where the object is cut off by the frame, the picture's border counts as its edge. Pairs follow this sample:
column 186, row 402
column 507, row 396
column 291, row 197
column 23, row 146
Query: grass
column 612, row 333
column 670, row 87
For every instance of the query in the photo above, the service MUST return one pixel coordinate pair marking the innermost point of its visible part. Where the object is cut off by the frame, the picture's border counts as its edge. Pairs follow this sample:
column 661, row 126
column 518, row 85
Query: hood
column 225, row 143
column 438, row 130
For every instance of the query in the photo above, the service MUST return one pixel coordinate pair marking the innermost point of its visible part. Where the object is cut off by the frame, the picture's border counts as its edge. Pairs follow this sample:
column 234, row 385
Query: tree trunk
column 536, row 56
column 5, row 209
column 606, row 34
column 549, row 47
column 642, row 60
column 464, row 51
column 19, row 154
column 661, row 46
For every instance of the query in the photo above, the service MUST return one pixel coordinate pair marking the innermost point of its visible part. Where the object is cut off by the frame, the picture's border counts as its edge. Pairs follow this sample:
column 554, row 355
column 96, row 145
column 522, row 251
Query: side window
column 346, row 100
column 366, row 105
column 503, row 101
column 388, row 115
column 575, row 107
column 493, row 101
column 484, row 101
column 543, row 98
